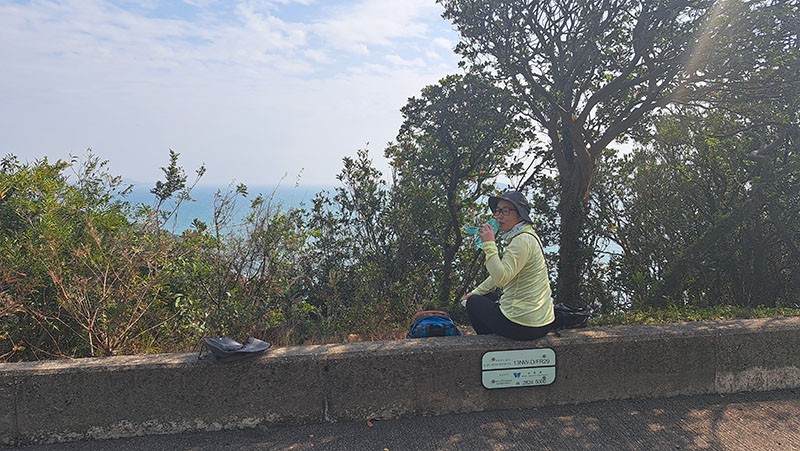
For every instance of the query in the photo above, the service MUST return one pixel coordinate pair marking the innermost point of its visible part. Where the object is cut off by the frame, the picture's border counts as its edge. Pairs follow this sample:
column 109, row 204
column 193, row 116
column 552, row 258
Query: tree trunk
column 445, row 294
column 576, row 166
column 570, row 261
column 446, row 284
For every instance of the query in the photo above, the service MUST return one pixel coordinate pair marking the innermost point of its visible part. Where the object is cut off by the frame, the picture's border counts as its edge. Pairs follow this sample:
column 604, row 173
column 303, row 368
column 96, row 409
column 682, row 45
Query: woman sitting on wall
column 524, row 311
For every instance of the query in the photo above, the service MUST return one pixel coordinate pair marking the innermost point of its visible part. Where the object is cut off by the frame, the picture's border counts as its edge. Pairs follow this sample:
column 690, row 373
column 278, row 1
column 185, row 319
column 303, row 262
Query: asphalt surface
column 743, row 421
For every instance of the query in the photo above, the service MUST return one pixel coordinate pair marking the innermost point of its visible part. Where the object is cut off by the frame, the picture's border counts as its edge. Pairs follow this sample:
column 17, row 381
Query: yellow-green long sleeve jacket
column 522, row 274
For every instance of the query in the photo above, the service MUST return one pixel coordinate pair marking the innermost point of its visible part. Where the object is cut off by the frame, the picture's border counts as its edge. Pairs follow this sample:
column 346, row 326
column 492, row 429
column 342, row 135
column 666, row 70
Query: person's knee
column 471, row 303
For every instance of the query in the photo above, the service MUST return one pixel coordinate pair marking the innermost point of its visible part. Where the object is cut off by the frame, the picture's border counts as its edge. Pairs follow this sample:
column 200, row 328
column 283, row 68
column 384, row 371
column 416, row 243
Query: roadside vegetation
column 659, row 142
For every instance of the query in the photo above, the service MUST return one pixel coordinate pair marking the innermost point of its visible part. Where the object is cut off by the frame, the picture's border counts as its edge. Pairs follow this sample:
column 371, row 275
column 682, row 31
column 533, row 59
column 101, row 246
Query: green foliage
column 81, row 276
column 456, row 138
column 350, row 270
column 175, row 179
column 169, row 195
column 698, row 221
column 90, row 279
column 239, row 278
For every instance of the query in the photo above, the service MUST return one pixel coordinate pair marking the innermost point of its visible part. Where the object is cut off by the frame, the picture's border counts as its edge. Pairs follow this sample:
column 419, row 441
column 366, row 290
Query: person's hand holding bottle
column 486, row 232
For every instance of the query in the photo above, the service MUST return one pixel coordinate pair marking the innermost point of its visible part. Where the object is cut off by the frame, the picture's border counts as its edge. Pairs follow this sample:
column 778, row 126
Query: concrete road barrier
column 64, row 400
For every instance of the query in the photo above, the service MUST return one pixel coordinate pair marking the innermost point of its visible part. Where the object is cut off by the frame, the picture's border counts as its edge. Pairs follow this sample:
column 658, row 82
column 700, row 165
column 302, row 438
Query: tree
column 173, row 187
column 750, row 102
column 238, row 275
column 588, row 72
column 350, row 267
column 456, row 137
column 86, row 279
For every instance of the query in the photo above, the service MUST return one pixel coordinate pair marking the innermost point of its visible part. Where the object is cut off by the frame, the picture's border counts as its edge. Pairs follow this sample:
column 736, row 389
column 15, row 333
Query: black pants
column 486, row 318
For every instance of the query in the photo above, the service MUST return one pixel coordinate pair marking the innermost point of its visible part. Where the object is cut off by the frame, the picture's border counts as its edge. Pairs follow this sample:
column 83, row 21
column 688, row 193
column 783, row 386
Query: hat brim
column 521, row 210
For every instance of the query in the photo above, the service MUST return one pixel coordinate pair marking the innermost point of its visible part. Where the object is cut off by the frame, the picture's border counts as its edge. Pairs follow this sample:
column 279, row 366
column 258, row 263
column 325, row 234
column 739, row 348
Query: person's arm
column 486, row 233
column 503, row 270
column 487, row 286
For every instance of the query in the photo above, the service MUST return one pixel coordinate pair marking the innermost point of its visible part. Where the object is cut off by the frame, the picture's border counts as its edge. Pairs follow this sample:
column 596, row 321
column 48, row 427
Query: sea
column 201, row 205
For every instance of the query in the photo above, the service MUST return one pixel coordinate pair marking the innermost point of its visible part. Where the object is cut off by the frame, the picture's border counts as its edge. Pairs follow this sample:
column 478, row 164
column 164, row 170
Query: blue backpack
column 432, row 323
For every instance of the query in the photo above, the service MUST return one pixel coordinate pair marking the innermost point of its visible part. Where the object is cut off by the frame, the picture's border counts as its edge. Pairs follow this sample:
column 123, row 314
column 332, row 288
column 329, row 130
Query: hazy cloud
column 255, row 89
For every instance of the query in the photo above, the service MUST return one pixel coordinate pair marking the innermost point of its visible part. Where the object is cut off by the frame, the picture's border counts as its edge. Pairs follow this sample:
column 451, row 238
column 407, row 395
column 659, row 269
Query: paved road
column 745, row 421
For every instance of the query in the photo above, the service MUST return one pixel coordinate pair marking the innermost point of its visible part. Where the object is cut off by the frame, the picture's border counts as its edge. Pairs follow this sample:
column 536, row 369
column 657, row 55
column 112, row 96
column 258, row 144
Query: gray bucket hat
column 516, row 198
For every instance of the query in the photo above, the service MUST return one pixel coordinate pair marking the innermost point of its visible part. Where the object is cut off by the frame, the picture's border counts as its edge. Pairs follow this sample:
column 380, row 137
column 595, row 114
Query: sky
column 258, row 91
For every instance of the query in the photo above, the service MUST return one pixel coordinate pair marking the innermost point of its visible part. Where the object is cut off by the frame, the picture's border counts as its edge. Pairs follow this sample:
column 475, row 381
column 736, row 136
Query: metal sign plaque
column 518, row 368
